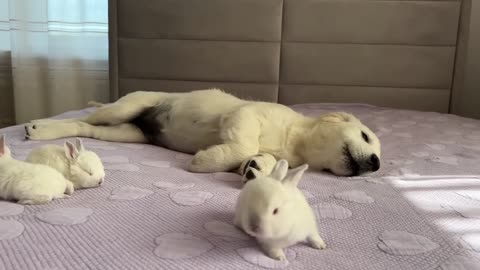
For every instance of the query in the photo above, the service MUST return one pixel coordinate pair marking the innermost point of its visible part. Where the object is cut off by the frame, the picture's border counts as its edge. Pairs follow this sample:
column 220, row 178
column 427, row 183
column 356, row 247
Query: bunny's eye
column 275, row 211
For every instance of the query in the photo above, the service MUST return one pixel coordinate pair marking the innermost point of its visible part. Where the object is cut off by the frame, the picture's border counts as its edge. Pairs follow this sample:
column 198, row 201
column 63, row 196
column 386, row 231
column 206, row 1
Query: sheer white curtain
column 58, row 52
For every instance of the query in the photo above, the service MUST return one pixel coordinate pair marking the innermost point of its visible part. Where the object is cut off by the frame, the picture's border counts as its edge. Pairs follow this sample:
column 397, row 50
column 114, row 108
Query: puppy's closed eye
column 365, row 137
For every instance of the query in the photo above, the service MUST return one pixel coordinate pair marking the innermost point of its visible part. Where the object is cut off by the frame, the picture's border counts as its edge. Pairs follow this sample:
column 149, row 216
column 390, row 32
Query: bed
column 421, row 210
column 391, row 63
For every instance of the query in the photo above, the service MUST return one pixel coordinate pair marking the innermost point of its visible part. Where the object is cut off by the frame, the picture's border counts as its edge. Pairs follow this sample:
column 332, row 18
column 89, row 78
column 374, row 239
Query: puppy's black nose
column 375, row 162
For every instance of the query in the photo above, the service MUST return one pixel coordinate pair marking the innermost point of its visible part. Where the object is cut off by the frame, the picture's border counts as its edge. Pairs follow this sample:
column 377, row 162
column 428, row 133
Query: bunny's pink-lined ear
column 294, row 175
column 3, row 147
column 280, row 170
column 79, row 144
column 70, row 150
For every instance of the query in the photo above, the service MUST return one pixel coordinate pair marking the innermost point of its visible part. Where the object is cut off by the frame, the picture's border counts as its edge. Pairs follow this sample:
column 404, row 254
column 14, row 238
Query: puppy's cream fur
column 223, row 131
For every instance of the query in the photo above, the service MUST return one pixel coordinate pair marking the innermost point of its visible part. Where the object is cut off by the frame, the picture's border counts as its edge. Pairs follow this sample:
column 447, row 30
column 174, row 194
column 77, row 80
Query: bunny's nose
column 101, row 180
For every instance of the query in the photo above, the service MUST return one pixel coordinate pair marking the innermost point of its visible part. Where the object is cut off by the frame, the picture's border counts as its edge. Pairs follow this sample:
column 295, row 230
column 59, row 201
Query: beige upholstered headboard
column 391, row 53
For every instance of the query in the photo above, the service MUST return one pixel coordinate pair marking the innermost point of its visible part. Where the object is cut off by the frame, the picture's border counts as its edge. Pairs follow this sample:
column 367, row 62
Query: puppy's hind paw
column 200, row 163
column 48, row 130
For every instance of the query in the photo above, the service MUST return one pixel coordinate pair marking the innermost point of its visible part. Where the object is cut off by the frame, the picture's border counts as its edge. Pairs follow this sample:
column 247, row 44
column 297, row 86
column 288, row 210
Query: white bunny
column 274, row 211
column 83, row 168
column 29, row 183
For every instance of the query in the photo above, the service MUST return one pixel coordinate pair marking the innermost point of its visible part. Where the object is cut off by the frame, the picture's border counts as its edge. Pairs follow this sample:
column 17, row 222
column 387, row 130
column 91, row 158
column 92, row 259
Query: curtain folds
column 53, row 57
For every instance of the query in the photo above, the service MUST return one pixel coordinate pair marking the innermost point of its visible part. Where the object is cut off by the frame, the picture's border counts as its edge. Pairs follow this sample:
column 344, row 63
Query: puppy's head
column 340, row 143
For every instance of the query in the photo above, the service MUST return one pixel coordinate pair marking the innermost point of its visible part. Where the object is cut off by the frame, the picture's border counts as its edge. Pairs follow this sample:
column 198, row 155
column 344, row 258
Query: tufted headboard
column 390, row 53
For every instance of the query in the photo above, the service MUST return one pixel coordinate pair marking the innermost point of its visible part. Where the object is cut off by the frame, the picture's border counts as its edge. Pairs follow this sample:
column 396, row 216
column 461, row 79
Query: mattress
column 421, row 210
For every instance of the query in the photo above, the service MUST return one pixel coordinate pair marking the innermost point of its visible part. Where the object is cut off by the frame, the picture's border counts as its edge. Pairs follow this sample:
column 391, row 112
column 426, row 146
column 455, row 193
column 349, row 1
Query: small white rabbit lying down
column 83, row 168
column 29, row 183
column 274, row 211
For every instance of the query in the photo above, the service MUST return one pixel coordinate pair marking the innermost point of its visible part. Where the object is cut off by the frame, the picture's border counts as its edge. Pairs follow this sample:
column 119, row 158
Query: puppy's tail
column 95, row 104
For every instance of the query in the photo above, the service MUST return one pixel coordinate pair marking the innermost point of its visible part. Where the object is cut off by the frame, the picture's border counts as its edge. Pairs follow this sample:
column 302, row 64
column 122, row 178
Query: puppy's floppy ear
column 70, row 150
column 294, row 175
column 338, row 117
column 280, row 170
column 79, row 144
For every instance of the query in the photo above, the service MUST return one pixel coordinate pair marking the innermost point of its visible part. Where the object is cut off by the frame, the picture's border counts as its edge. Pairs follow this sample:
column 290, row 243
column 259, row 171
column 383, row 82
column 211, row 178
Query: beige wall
column 466, row 95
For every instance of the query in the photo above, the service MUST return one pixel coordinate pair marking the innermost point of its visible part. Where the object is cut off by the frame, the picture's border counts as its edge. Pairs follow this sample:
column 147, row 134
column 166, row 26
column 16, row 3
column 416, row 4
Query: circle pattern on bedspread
column 65, row 216
column 191, row 198
column 449, row 160
column 156, row 163
column 256, row 256
column 420, row 154
column 10, row 209
column 436, row 146
column 375, row 181
column 356, row 196
column 331, row 211
column 171, row 186
column 128, row 193
column 180, row 246
column 122, row 167
column 404, row 243
column 10, row 229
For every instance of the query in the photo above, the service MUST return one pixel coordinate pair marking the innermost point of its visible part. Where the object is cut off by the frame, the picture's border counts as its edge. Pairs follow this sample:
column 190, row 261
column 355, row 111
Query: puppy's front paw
column 200, row 163
column 263, row 163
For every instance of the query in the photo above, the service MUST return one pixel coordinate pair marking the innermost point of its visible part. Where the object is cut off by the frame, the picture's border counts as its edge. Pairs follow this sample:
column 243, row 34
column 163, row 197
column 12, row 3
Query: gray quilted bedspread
column 420, row 211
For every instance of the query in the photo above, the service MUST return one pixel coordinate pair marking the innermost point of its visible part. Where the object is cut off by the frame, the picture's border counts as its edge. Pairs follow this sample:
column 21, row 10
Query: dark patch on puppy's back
column 151, row 122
